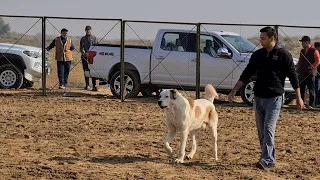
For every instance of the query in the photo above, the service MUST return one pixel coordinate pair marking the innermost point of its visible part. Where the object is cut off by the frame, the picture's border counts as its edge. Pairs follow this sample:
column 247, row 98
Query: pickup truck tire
column 10, row 77
column 246, row 92
column 132, row 84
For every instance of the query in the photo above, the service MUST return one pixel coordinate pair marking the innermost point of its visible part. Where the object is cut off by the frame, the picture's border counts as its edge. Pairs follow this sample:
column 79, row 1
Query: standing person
column 63, row 56
column 307, row 69
column 272, row 65
column 85, row 43
column 317, row 79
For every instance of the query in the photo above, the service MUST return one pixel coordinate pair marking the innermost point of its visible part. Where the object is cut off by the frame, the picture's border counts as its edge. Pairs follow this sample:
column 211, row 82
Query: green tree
column 4, row 28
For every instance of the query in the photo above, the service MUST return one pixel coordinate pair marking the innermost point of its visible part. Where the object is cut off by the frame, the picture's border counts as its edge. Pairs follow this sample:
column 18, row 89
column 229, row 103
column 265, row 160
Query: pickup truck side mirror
column 223, row 52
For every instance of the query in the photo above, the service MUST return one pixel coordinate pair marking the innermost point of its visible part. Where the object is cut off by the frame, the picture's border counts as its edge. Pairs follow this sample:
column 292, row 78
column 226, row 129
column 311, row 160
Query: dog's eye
column 167, row 96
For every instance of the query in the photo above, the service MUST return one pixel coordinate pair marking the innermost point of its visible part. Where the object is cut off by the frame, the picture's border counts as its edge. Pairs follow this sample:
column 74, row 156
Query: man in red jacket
column 307, row 69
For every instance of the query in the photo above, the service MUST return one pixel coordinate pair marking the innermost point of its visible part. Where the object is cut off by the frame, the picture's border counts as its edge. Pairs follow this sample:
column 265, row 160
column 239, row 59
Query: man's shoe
column 264, row 166
column 62, row 87
column 94, row 89
column 87, row 88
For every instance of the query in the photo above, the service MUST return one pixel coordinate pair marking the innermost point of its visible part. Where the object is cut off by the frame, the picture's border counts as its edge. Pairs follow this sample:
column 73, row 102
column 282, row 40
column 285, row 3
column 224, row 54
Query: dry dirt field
column 86, row 135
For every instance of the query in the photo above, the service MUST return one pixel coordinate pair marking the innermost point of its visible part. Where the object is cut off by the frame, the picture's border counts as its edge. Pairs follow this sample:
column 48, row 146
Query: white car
column 20, row 66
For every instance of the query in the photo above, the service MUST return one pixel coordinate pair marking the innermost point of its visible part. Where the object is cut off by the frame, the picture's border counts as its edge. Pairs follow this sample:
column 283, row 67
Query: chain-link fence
column 20, row 52
column 143, row 56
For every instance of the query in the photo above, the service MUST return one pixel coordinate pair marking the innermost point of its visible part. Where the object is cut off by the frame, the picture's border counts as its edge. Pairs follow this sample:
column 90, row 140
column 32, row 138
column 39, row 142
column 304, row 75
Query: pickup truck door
column 214, row 70
column 170, row 61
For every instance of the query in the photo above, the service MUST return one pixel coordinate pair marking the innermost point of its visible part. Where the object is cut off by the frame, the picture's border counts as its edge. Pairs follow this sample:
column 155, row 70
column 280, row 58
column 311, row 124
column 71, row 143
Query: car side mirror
column 223, row 52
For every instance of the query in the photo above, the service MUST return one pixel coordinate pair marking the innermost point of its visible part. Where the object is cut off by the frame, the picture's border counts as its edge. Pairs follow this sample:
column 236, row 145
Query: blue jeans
column 63, row 72
column 267, row 112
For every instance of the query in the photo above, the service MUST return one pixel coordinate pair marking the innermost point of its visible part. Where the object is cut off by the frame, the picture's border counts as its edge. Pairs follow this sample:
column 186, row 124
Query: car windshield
column 240, row 44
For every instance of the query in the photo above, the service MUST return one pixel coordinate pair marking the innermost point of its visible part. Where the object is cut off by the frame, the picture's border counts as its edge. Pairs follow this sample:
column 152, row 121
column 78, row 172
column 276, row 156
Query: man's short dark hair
column 317, row 44
column 64, row 30
column 270, row 32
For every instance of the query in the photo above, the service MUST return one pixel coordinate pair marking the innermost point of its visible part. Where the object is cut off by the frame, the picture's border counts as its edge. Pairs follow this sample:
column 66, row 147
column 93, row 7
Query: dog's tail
column 210, row 93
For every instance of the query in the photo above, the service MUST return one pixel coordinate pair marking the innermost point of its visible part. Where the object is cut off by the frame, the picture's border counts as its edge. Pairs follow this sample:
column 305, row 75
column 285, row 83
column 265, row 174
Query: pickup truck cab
column 20, row 66
column 171, row 63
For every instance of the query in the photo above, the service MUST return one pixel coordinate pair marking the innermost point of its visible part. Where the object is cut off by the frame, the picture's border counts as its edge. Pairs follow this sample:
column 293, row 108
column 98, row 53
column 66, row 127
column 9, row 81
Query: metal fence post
column 122, row 96
column 44, row 78
column 276, row 27
column 198, row 63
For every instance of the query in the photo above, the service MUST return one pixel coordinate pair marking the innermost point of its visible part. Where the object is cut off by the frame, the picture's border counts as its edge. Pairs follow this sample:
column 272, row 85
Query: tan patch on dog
column 198, row 111
column 207, row 115
column 191, row 102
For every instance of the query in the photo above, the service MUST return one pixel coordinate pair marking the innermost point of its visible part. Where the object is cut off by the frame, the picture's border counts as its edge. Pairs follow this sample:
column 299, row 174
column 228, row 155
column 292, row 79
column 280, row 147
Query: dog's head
column 166, row 97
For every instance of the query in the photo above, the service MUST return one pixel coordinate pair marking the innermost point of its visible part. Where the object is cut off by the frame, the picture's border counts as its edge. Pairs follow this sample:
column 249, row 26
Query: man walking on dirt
column 307, row 69
column 64, row 48
column 317, row 79
column 85, row 43
column 272, row 64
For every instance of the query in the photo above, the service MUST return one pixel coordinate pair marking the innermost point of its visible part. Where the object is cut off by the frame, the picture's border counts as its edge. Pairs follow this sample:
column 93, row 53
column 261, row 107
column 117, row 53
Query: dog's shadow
column 217, row 165
column 115, row 159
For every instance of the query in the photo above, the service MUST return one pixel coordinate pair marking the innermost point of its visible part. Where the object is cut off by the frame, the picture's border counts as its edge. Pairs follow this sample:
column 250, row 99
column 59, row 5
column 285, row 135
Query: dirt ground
column 83, row 135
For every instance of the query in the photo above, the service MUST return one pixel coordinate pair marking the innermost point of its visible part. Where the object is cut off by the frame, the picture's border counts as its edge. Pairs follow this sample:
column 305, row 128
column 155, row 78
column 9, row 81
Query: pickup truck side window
column 208, row 46
column 174, row 41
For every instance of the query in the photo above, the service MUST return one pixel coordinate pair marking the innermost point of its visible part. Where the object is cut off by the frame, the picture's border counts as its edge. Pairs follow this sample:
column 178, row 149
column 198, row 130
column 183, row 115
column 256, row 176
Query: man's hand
column 300, row 104
column 311, row 67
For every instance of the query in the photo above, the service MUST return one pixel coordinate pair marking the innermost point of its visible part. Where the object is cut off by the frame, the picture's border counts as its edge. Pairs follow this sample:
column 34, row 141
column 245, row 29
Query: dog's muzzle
column 162, row 107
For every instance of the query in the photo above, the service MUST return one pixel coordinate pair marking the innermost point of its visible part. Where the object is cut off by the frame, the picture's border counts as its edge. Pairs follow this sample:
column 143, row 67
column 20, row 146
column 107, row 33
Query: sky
column 208, row 11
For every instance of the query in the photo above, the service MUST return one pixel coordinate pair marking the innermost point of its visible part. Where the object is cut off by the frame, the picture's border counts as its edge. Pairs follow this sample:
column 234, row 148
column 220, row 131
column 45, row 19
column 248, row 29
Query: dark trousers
column 317, row 89
column 310, row 83
column 63, row 72
column 85, row 67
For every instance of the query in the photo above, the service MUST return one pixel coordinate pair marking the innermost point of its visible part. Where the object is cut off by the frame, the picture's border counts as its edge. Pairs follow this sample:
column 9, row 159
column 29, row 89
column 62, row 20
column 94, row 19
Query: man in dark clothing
column 307, row 69
column 272, row 65
column 63, row 56
column 85, row 43
column 317, row 79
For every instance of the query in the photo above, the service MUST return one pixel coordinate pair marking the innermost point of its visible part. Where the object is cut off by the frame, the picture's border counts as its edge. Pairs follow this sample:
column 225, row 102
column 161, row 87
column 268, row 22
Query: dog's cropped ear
column 173, row 94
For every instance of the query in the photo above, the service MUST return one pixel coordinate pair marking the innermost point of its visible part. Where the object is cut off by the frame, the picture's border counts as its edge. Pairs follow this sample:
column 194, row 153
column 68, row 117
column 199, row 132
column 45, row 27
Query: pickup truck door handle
column 241, row 61
column 160, row 57
column 194, row 60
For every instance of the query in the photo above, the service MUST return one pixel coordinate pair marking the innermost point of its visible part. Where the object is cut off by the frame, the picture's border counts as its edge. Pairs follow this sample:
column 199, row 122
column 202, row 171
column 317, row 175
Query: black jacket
column 272, row 68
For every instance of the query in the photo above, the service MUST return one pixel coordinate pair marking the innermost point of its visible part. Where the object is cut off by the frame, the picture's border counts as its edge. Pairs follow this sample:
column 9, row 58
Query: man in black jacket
column 272, row 65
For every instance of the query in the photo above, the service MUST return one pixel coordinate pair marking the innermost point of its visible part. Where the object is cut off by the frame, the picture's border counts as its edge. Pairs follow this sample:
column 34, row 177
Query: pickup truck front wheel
column 131, row 81
column 10, row 77
column 246, row 92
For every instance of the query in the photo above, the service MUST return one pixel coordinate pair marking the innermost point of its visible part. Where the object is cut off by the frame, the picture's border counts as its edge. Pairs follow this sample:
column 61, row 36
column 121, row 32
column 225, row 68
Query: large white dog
column 188, row 116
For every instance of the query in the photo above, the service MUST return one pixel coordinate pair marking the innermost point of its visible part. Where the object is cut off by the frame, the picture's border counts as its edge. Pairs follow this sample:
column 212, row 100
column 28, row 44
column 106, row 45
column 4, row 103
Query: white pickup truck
column 171, row 63
column 20, row 66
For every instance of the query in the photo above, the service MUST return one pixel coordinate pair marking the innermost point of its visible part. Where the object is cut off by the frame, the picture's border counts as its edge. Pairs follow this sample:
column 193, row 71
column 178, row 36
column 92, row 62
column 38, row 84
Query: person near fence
column 63, row 56
column 317, row 79
column 85, row 43
column 272, row 64
column 307, row 69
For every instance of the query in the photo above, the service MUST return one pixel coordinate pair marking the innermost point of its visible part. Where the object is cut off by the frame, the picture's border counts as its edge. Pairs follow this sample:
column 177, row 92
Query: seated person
column 178, row 45
column 209, row 49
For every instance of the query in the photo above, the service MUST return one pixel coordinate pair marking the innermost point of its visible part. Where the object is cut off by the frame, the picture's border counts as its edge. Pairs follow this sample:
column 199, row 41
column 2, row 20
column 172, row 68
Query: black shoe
column 264, row 166
column 94, row 89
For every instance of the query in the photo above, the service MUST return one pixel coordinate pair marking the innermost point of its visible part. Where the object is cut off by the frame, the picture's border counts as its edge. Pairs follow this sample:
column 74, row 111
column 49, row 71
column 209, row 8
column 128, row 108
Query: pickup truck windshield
column 240, row 44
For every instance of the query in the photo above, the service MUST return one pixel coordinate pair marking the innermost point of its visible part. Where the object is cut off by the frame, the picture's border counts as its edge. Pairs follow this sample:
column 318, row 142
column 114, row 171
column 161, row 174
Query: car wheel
column 247, row 93
column 10, row 77
column 131, row 81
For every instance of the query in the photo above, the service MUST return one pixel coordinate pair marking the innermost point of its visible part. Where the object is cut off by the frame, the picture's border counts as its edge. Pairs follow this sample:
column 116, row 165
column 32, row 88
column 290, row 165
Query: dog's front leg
column 170, row 136
column 183, row 143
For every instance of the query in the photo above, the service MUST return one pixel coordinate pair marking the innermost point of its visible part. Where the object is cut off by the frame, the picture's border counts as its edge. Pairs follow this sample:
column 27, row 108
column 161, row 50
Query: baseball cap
column 88, row 28
column 305, row 38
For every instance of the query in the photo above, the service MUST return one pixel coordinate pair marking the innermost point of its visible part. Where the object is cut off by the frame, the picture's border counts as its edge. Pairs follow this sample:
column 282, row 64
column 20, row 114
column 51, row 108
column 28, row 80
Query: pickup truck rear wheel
column 10, row 77
column 131, row 81
column 246, row 92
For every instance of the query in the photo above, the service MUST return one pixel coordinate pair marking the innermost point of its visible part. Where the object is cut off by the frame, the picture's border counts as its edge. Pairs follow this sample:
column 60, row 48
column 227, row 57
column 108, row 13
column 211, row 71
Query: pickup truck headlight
column 33, row 54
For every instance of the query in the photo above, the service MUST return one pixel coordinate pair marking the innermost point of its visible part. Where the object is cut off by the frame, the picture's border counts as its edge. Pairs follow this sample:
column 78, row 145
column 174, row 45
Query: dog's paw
column 216, row 159
column 178, row 161
column 189, row 156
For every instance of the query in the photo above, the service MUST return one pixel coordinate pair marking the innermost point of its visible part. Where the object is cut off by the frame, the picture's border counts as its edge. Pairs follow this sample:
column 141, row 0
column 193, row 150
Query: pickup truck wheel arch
column 10, row 77
column 132, row 83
